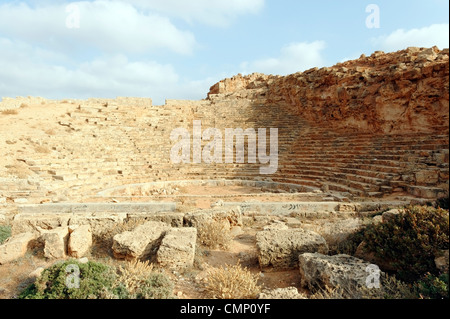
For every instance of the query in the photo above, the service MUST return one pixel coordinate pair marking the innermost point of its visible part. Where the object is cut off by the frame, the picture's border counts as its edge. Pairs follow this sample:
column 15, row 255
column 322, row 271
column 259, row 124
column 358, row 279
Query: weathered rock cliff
column 401, row 92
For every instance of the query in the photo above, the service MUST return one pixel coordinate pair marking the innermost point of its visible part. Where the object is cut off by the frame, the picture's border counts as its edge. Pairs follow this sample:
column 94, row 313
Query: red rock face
column 402, row 92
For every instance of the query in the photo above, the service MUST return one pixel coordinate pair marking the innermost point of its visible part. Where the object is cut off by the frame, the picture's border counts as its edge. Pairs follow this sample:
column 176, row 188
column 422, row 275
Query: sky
column 177, row 49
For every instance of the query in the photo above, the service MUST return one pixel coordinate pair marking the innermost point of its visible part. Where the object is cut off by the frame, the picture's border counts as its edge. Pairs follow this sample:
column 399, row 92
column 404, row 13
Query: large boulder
column 80, row 241
column 177, row 249
column 280, row 248
column 348, row 273
column 15, row 247
column 140, row 243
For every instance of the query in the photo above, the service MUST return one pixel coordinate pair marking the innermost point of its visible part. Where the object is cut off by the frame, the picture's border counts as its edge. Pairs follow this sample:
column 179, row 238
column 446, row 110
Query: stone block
column 15, row 247
column 140, row 243
column 177, row 250
column 280, row 248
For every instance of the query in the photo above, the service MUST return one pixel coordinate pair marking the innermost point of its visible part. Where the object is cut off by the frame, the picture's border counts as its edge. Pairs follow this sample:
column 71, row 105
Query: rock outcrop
column 400, row 92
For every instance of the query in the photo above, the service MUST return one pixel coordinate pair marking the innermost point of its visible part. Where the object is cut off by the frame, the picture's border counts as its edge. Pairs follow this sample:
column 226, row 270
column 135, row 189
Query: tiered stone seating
column 115, row 144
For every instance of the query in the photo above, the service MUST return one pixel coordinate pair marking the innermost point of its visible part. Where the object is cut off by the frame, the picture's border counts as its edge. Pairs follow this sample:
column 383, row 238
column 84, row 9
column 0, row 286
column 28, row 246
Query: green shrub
column 99, row 281
column 411, row 240
column 156, row 286
column 432, row 287
column 94, row 279
column 5, row 233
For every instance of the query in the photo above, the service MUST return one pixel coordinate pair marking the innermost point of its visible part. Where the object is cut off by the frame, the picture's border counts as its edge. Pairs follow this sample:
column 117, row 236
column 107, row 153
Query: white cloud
column 436, row 34
column 210, row 12
column 27, row 70
column 293, row 58
column 111, row 26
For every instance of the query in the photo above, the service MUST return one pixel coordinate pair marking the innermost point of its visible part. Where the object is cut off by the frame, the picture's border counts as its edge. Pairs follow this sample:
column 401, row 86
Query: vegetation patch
column 231, row 282
column 74, row 280
column 5, row 233
column 411, row 240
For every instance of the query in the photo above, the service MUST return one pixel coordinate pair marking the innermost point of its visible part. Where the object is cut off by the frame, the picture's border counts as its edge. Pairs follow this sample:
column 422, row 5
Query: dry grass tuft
column 214, row 234
column 231, row 282
column 134, row 274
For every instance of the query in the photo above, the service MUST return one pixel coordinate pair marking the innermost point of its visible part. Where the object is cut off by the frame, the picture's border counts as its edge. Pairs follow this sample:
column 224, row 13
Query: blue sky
column 177, row 49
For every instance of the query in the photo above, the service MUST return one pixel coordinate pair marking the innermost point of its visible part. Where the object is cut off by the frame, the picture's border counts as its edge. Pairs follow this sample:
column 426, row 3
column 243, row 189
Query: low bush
column 56, row 283
column 434, row 287
column 99, row 281
column 411, row 240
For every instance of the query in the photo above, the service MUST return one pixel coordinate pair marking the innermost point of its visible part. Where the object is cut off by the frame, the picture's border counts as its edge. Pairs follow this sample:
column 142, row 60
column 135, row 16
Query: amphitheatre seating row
column 115, row 144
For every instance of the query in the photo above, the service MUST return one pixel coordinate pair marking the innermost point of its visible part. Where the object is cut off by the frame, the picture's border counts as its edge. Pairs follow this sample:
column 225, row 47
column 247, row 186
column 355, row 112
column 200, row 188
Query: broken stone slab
column 140, row 243
column 99, row 222
column 15, row 247
column 282, row 293
column 55, row 242
column 348, row 273
column 173, row 219
column 34, row 223
column 80, row 241
column 177, row 249
column 280, row 248
column 276, row 226
column 285, row 209
column 233, row 215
